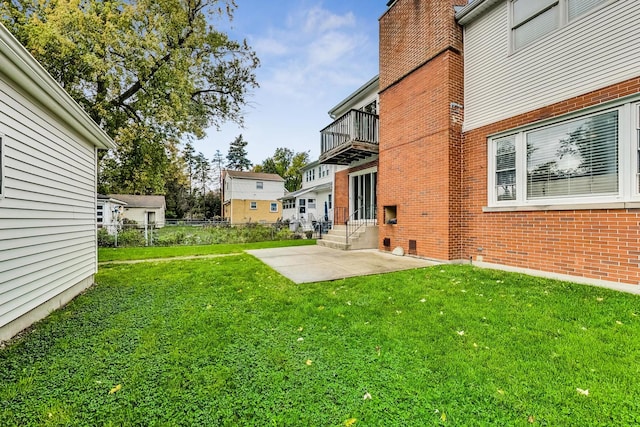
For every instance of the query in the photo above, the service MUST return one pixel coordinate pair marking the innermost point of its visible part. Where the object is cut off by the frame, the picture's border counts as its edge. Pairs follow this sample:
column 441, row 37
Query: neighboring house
column 145, row 210
column 251, row 197
column 108, row 211
column 523, row 156
column 352, row 141
column 48, row 157
column 314, row 201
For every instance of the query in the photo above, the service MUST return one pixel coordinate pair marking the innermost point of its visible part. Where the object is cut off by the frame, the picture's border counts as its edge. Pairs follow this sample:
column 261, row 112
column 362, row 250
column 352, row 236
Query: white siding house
column 252, row 197
column 145, row 210
column 314, row 201
column 48, row 161
column 585, row 53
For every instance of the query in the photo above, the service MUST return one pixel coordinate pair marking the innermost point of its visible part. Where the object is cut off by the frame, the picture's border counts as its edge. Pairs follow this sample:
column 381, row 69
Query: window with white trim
column 273, row 207
column 311, row 203
column 253, row 205
column 576, row 160
column 531, row 20
column 259, row 185
column 288, row 203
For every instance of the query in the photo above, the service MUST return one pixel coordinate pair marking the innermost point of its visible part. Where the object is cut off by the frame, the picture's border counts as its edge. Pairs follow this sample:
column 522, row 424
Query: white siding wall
column 245, row 189
column 47, row 212
column 590, row 53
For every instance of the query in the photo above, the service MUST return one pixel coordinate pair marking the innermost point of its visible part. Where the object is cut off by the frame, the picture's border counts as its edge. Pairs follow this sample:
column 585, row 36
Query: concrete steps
column 365, row 238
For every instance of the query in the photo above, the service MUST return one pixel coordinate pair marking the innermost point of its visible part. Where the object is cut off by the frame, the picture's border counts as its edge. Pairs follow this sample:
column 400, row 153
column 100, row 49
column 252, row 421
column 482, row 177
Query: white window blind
column 578, row 157
column 506, row 168
column 579, row 7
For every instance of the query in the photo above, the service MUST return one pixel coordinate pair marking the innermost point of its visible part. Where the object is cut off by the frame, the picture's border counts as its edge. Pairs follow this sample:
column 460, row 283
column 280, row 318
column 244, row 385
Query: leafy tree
column 287, row 164
column 237, row 155
column 149, row 72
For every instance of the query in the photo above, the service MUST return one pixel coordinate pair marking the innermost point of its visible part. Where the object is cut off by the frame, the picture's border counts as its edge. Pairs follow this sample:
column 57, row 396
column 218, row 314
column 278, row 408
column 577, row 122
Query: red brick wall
column 420, row 122
column 414, row 31
column 601, row 244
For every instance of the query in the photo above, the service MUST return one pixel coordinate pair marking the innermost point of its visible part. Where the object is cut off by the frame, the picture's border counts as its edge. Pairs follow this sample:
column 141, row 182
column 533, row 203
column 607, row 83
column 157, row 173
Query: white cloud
column 270, row 46
column 318, row 20
column 308, row 65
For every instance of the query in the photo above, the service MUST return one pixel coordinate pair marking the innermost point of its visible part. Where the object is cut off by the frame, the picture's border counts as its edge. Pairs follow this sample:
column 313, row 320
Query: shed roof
column 255, row 175
column 137, row 201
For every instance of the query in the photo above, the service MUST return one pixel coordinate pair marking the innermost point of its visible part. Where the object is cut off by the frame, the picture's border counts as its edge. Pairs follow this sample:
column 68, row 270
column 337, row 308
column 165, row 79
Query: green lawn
column 227, row 341
column 137, row 253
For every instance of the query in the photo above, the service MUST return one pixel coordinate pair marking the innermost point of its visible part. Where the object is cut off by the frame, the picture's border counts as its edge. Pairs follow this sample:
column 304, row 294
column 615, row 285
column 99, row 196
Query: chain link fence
column 202, row 232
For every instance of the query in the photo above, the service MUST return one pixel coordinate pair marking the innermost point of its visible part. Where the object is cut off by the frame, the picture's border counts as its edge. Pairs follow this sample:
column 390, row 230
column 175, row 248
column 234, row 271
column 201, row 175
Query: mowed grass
column 141, row 253
column 227, row 341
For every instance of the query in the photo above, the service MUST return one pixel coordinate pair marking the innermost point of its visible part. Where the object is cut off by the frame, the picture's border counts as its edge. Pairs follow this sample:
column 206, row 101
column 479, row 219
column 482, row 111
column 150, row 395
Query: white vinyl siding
column 589, row 158
column 566, row 63
column 48, row 208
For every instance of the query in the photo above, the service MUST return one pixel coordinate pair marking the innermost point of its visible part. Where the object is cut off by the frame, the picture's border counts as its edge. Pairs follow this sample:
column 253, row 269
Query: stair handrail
column 352, row 227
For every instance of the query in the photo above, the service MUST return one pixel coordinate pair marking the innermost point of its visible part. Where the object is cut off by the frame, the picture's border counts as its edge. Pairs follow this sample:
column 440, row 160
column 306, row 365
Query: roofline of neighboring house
column 111, row 200
column 310, row 165
column 22, row 69
column 355, row 95
column 473, row 10
column 275, row 178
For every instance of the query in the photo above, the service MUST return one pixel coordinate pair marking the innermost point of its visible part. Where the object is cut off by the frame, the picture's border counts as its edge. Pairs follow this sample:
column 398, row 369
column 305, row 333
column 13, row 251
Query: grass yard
column 139, row 253
column 227, row 341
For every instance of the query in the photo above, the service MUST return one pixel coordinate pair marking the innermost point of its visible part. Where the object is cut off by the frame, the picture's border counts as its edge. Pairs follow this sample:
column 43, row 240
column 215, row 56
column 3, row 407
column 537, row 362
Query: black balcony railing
column 351, row 137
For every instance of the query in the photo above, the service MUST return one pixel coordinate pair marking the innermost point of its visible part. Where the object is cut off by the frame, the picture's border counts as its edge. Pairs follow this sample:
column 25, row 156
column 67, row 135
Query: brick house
column 519, row 148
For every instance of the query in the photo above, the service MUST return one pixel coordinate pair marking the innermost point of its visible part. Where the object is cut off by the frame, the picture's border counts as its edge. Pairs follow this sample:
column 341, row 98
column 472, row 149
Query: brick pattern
column 414, row 31
column 420, row 123
column 600, row 244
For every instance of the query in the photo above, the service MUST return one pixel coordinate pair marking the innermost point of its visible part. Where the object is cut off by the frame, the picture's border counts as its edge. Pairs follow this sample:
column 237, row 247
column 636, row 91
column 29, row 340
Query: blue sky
column 313, row 54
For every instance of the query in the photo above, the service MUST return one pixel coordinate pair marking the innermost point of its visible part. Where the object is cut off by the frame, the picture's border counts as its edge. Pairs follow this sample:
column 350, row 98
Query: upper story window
column 579, row 160
column 530, row 20
column 259, row 185
column 372, row 108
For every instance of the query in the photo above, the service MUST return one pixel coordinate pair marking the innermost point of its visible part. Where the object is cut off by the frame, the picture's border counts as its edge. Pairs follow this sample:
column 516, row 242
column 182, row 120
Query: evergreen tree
column 237, row 156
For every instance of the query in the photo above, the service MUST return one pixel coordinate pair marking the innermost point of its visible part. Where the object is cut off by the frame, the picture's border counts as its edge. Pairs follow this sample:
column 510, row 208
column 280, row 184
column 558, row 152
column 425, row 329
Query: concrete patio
column 306, row 264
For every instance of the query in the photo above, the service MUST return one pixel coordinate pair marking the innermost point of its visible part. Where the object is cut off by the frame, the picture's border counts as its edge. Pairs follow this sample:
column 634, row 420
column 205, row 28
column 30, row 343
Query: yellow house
column 251, row 197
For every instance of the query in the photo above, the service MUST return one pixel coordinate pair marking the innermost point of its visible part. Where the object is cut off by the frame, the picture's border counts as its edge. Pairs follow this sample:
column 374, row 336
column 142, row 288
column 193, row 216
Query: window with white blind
column 532, row 19
column 583, row 159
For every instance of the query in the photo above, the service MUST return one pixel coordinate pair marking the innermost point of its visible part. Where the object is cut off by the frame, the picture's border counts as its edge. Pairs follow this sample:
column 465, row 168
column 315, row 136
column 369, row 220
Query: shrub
column 105, row 240
column 132, row 237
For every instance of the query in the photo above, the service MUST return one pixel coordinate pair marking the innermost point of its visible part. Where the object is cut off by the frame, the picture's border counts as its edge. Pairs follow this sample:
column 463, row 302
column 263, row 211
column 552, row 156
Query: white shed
column 48, row 158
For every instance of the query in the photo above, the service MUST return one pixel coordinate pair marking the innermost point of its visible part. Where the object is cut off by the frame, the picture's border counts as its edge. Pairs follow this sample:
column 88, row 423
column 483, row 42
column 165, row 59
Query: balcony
column 352, row 137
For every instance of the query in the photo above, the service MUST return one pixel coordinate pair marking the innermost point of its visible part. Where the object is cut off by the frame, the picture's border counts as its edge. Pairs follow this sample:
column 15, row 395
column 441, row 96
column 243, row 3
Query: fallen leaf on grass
column 443, row 417
column 531, row 419
column 300, row 339
column 367, row 396
column 309, row 362
column 423, row 300
column 618, row 322
column 115, row 389
column 460, row 333
column 583, row 392
column 500, row 391
column 350, row 422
